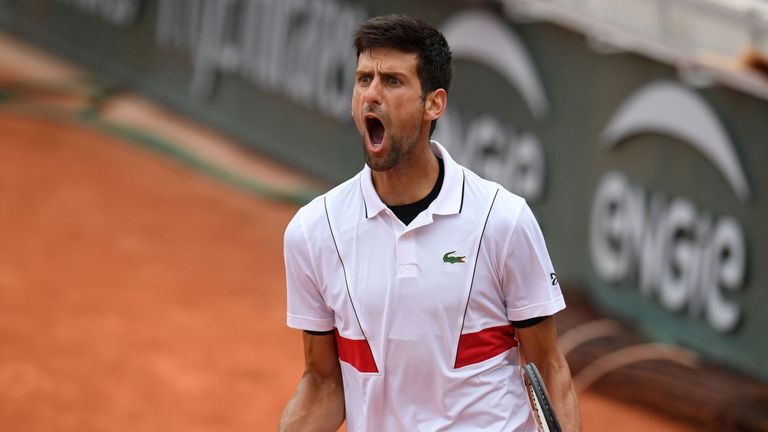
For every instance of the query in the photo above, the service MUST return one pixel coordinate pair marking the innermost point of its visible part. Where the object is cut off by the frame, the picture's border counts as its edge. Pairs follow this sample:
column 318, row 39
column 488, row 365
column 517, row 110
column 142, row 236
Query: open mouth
column 375, row 130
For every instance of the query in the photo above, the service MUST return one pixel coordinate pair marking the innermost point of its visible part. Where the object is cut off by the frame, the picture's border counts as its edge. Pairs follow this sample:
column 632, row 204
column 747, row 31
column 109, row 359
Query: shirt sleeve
column 530, row 284
column 307, row 309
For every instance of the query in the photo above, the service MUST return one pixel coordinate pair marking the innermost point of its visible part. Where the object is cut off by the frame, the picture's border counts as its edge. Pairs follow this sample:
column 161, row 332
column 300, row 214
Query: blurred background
column 153, row 151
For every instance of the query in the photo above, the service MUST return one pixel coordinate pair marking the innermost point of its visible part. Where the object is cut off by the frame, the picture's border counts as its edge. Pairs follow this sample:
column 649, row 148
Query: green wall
column 666, row 224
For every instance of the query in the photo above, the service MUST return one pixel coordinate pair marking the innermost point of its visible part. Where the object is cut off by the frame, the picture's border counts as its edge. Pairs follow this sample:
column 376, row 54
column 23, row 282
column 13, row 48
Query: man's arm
column 318, row 404
column 539, row 345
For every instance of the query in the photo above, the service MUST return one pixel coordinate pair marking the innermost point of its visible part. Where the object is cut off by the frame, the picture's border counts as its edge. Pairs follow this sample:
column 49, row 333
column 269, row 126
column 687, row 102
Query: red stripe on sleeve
column 482, row 345
column 356, row 352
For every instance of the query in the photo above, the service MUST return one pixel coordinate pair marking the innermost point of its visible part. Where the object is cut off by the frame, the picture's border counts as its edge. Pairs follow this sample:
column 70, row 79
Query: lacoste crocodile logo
column 453, row 259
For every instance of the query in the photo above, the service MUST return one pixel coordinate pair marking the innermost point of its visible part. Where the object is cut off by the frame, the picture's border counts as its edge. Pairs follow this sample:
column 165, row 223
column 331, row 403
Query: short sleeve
column 529, row 282
column 307, row 309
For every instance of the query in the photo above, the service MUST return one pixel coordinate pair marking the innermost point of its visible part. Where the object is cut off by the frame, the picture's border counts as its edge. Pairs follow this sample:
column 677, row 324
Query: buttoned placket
column 406, row 255
column 405, row 244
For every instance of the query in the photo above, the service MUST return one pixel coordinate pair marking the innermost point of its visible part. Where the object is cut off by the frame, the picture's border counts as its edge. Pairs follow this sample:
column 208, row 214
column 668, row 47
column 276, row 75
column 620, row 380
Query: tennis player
column 418, row 285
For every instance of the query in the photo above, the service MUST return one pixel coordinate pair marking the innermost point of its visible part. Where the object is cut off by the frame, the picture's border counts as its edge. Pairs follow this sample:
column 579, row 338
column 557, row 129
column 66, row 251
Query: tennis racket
column 541, row 406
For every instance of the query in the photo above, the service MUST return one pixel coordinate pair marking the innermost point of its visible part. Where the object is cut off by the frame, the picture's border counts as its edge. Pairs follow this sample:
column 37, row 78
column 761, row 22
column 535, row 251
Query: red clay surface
column 136, row 295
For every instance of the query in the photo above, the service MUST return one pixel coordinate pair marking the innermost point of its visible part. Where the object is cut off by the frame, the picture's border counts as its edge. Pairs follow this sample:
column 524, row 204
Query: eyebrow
column 385, row 74
column 399, row 75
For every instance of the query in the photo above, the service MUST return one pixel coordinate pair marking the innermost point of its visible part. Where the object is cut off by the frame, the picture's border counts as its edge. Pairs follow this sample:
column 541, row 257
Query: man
column 417, row 283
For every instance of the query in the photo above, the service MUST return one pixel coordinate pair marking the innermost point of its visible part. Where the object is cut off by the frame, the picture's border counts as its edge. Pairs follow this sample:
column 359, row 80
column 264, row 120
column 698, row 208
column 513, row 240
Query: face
column 388, row 107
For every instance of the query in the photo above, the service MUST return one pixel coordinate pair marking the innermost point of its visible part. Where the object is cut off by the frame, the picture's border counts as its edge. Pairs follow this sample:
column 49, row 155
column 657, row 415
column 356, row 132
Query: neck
column 411, row 180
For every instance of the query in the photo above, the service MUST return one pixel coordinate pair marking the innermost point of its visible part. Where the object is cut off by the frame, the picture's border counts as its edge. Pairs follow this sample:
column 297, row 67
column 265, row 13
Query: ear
column 435, row 104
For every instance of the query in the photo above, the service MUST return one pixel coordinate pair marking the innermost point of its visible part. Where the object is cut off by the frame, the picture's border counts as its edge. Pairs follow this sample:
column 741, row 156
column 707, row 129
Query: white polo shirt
column 422, row 312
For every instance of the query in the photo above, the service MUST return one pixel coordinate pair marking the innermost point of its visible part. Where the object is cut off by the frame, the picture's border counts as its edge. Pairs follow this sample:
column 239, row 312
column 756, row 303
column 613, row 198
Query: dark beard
column 394, row 156
column 399, row 146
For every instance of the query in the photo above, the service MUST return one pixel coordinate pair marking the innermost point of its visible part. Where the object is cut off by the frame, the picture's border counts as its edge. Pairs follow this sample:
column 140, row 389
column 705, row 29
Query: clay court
column 140, row 293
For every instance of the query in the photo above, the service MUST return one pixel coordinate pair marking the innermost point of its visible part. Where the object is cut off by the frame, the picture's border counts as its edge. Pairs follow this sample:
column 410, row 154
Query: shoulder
column 314, row 213
column 506, row 207
column 512, row 206
column 343, row 195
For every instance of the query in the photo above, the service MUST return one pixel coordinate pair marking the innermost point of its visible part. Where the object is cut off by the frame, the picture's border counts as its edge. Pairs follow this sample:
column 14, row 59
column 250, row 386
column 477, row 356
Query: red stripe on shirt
column 482, row 345
column 356, row 352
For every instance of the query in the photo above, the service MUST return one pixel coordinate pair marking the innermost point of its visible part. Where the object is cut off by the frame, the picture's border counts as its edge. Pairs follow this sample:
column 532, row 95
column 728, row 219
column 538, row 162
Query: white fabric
column 412, row 306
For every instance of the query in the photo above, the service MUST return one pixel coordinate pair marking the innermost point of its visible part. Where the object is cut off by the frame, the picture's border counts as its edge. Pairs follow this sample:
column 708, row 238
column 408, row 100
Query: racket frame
column 538, row 397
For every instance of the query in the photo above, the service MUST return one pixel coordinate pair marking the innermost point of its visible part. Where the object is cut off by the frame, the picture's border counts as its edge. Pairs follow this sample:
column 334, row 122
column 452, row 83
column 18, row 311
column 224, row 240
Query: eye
column 394, row 82
column 364, row 80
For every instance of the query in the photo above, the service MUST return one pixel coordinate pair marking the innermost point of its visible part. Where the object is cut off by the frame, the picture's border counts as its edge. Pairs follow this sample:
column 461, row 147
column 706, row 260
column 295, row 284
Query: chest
column 409, row 284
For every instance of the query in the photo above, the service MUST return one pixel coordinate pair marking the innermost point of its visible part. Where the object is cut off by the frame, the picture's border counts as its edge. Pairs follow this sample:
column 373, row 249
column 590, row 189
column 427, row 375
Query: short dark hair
column 410, row 35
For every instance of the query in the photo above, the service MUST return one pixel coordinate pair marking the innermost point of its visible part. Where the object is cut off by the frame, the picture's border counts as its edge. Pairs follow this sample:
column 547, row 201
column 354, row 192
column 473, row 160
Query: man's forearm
column 563, row 396
column 316, row 406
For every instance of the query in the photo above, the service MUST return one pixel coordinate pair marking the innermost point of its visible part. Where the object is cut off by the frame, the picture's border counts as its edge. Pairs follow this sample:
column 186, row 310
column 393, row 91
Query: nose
column 372, row 95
